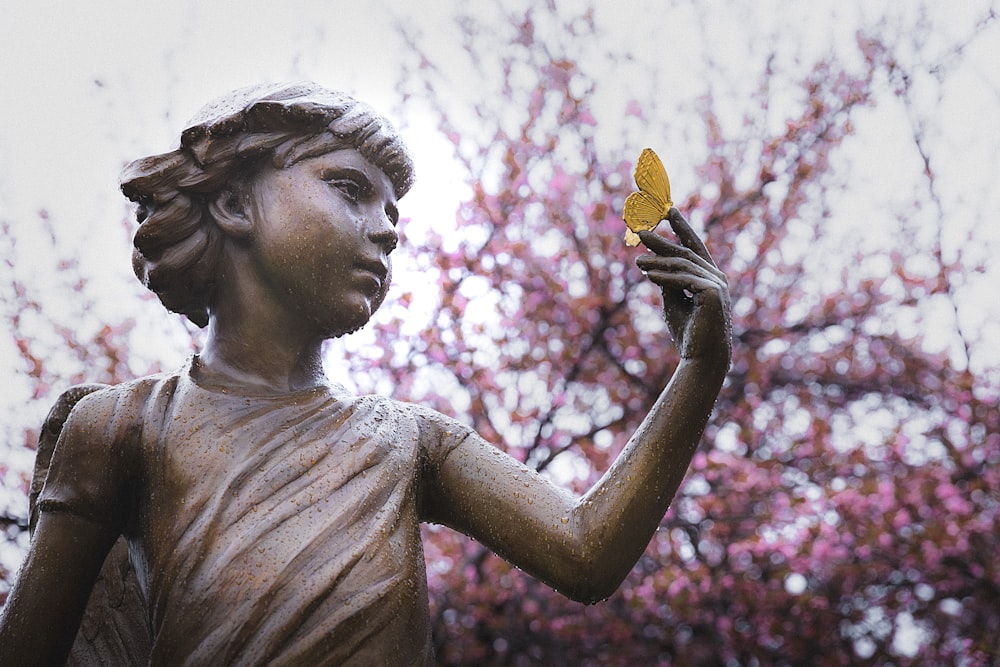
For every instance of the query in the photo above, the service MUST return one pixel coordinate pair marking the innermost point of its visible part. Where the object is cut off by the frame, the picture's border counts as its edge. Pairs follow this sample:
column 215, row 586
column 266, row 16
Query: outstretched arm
column 584, row 547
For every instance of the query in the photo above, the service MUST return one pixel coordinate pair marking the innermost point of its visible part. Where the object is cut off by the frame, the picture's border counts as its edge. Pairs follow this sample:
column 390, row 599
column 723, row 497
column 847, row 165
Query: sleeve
column 439, row 435
column 48, row 436
column 89, row 467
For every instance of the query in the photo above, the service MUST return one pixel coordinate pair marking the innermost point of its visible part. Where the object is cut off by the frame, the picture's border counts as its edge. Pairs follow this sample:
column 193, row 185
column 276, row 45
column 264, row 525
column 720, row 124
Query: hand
column 695, row 292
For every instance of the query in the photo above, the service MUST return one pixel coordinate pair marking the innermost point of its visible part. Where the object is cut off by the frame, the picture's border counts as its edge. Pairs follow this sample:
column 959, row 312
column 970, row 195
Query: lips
column 373, row 269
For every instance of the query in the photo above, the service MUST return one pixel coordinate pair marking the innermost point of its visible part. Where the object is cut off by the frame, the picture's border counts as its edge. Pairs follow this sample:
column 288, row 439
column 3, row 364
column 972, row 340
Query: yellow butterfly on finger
column 644, row 209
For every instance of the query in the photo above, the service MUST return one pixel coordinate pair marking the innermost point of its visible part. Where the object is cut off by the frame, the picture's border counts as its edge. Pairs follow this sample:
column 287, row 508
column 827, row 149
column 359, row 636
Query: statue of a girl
column 269, row 516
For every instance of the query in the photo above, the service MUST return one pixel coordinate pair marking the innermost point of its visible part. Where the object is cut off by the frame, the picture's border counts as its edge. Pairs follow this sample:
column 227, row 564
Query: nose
column 382, row 232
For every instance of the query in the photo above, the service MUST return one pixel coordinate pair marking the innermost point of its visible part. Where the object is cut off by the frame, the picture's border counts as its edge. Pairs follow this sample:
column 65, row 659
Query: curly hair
column 178, row 244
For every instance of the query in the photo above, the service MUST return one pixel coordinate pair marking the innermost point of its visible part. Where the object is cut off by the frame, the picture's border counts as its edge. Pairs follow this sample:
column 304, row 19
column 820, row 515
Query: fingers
column 681, row 290
column 682, row 268
column 687, row 236
column 682, row 274
column 665, row 250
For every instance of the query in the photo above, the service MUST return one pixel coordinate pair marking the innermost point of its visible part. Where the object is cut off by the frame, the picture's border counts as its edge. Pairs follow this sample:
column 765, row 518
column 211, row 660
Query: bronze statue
column 257, row 514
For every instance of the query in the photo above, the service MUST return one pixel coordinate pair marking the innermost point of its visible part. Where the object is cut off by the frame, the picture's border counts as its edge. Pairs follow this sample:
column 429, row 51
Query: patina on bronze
column 256, row 514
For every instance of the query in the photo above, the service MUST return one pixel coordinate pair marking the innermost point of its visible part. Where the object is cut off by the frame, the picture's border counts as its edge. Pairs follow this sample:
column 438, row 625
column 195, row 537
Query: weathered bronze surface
column 253, row 512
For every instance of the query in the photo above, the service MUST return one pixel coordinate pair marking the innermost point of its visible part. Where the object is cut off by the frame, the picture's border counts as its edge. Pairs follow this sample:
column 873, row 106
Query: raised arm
column 584, row 547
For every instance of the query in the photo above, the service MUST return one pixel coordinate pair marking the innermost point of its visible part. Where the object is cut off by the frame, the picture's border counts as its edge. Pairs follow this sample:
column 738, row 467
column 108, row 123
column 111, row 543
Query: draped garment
column 265, row 529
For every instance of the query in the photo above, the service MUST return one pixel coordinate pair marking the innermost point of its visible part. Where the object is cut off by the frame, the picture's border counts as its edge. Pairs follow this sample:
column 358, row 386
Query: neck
column 231, row 357
column 254, row 343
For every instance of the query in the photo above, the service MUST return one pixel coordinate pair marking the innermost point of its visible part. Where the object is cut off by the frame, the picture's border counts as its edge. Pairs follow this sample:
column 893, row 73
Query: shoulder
column 61, row 409
column 90, row 408
column 425, row 417
column 91, row 421
column 102, row 407
column 82, row 460
column 437, row 433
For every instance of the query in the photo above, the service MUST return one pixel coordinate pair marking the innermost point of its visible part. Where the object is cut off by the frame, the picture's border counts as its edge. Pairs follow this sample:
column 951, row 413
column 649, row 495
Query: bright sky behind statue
column 88, row 87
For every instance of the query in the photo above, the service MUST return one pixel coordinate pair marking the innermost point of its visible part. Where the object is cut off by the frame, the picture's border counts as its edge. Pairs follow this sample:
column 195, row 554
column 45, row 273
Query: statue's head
column 178, row 244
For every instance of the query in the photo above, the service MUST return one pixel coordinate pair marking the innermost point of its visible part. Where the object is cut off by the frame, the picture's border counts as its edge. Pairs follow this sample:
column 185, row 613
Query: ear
column 230, row 212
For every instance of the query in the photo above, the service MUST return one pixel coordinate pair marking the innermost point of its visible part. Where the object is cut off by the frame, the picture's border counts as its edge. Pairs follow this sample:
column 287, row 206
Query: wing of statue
column 113, row 630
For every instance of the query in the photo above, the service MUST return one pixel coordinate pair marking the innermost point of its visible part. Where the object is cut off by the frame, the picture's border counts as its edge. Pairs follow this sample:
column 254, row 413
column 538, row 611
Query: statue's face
column 323, row 229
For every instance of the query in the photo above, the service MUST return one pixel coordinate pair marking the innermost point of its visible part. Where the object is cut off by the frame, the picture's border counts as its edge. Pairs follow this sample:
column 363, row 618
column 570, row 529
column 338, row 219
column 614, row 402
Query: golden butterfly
column 644, row 209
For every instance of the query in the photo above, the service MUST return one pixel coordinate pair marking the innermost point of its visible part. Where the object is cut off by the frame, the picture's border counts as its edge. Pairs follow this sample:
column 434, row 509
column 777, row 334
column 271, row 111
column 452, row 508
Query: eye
column 393, row 214
column 351, row 189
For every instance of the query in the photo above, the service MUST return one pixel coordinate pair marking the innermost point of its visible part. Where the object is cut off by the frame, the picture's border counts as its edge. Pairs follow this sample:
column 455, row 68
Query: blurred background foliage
column 843, row 506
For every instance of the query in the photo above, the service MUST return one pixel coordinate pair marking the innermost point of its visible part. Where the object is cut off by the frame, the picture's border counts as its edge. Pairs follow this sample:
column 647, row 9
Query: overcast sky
column 88, row 86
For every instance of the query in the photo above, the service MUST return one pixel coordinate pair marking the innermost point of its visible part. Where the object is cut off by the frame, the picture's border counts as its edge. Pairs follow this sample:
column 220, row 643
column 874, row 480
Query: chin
column 344, row 331
column 358, row 316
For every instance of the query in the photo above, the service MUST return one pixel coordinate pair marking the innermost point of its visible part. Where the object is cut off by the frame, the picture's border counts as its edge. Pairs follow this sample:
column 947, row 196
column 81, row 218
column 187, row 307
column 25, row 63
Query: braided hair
column 178, row 244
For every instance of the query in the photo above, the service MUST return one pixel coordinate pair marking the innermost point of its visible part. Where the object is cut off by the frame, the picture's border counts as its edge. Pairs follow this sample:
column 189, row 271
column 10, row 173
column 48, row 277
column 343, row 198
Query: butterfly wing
column 642, row 212
column 651, row 177
column 644, row 209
